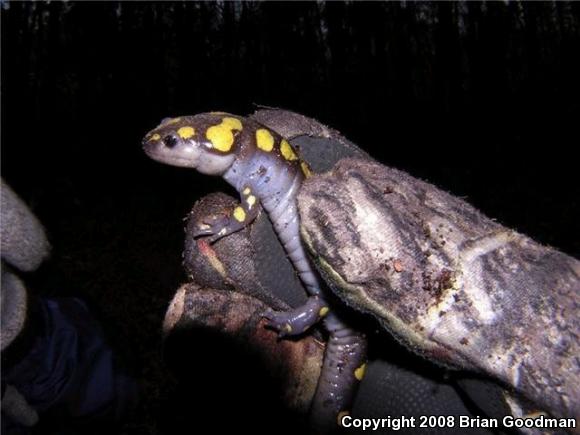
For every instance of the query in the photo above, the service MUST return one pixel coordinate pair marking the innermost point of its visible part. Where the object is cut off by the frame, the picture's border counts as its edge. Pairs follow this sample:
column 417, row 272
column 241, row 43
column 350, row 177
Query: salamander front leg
column 220, row 225
column 299, row 319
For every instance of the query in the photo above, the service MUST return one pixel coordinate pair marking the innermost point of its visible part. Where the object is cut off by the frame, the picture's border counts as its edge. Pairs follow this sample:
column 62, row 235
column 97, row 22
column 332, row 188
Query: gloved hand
column 57, row 367
column 248, row 272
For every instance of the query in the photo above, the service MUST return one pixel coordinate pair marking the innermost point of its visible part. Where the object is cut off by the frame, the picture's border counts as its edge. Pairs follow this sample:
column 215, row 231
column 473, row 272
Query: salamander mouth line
column 182, row 161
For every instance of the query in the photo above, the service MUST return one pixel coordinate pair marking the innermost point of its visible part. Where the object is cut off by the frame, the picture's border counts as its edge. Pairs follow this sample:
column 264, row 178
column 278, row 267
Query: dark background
column 481, row 99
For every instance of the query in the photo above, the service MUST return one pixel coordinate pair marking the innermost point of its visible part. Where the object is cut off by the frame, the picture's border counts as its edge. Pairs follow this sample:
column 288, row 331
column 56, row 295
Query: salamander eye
column 170, row 141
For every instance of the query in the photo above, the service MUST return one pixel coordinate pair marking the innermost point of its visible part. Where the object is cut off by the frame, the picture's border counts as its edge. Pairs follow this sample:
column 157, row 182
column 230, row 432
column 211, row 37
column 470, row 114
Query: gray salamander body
column 265, row 169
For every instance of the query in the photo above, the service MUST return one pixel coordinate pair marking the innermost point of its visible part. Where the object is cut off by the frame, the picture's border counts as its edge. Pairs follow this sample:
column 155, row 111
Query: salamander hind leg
column 344, row 360
column 299, row 319
column 217, row 226
column 343, row 369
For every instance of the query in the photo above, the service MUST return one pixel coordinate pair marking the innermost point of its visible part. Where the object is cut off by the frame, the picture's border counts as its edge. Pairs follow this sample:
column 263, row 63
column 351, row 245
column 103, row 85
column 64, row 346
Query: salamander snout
column 168, row 146
column 189, row 142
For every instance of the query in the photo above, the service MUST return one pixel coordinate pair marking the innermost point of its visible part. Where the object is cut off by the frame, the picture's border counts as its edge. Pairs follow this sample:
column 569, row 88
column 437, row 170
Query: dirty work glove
column 448, row 282
column 250, row 272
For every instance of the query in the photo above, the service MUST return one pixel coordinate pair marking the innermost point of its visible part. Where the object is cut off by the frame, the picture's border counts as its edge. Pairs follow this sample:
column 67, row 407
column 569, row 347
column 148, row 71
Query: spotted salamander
column 265, row 169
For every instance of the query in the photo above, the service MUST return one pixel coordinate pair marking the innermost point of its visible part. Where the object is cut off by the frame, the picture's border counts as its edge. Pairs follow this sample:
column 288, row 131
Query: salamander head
column 207, row 142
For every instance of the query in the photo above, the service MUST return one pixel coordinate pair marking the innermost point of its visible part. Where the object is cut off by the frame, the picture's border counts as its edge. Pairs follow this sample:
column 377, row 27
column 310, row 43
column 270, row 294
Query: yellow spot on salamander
column 264, row 140
column 360, row 372
column 251, row 201
column 233, row 123
column 155, row 137
column 247, row 191
column 221, row 136
column 340, row 416
column 287, row 151
column 186, row 132
column 239, row 214
column 305, row 169
column 323, row 312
